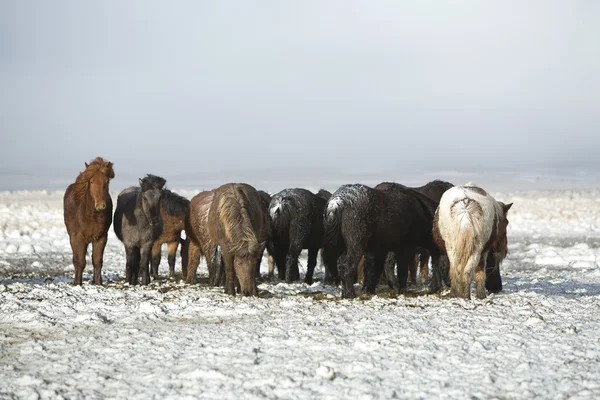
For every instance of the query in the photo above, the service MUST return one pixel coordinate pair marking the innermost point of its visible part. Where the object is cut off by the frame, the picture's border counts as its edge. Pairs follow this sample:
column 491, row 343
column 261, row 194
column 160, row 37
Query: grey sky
column 190, row 86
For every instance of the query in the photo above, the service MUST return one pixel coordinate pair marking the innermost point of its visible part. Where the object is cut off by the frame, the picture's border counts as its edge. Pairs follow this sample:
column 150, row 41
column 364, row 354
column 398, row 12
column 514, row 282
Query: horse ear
column 112, row 172
column 506, row 207
column 140, row 181
column 87, row 165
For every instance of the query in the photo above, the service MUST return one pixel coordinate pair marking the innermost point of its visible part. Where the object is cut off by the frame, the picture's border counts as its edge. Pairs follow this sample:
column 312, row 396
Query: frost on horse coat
column 469, row 223
column 361, row 220
column 296, row 220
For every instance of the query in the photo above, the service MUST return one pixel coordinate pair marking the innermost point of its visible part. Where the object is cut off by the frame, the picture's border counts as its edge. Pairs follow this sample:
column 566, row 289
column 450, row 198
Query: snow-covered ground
column 539, row 338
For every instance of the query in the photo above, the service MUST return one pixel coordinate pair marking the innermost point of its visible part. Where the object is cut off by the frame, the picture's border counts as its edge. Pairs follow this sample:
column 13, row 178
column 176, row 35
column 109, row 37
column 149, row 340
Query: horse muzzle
column 100, row 207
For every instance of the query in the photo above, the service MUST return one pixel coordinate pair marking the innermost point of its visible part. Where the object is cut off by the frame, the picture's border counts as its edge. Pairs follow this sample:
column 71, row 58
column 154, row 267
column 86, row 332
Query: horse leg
column 389, row 264
column 493, row 280
column 312, row 263
column 193, row 261
column 330, row 259
column 424, row 260
column 480, row 277
column 229, row 272
column 271, row 267
column 374, row 265
column 132, row 254
column 145, row 256
column 156, row 248
column 403, row 258
column 172, row 252
column 185, row 244
column 79, row 247
column 258, row 263
column 292, row 272
column 412, row 269
column 97, row 255
column 347, row 271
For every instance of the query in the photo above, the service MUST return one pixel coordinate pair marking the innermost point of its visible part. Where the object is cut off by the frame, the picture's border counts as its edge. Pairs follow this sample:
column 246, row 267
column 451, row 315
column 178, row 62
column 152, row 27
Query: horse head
column 100, row 173
column 151, row 193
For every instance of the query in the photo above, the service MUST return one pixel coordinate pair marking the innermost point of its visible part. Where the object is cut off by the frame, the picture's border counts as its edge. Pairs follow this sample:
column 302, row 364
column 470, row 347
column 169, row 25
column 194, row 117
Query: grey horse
column 138, row 224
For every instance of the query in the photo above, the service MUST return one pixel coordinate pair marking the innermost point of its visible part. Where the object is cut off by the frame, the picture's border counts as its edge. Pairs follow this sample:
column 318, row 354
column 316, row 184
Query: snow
column 539, row 338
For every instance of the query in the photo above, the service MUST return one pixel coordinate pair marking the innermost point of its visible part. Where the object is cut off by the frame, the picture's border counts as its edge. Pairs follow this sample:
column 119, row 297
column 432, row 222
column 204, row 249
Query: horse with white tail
column 468, row 225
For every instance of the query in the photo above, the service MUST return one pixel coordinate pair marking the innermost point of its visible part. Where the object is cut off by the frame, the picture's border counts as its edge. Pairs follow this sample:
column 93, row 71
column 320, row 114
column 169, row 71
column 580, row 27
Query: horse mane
column 96, row 166
column 150, row 182
column 324, row 194
column 174, row 204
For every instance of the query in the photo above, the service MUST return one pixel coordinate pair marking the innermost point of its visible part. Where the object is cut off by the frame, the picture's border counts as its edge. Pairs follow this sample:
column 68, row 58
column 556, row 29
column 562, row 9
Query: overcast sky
column 186, row 86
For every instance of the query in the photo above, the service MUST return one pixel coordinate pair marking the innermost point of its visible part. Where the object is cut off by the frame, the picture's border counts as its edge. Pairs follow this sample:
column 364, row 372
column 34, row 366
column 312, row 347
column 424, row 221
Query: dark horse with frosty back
column 296, row 218
column 361, row 221
column 88, row 215
column 239, row 225
column 138, row 224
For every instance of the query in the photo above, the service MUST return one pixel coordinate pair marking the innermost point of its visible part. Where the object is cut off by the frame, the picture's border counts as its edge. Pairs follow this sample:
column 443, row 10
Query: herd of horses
column 373, row 236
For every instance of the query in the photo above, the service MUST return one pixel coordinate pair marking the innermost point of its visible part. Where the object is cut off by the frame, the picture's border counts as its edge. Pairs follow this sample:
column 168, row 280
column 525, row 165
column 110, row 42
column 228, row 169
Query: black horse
column 138, row 224
column 362, row 221
column 434, row 191
column 296, row 219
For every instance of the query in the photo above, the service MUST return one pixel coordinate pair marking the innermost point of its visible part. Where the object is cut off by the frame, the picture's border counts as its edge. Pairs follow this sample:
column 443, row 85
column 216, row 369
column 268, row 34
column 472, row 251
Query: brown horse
column 239, row 225
column 198, row 242
column 88, row 215
column 173, row 209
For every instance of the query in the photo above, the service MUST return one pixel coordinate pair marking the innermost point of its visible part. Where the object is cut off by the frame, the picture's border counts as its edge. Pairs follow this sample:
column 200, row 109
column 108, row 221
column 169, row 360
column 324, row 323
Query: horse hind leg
column 403, row 259
column 389, row 267
column 480, row 277
column 424, row 265
column 172, row 252
column 292, row 273
column 193, row 261
column 374, row 265
column 228, row 259
column 347, row 267
column 155, row 262
column 493, row 280
column 412, row 269
column 79, row 248
column 97, row 255
column 312, row 263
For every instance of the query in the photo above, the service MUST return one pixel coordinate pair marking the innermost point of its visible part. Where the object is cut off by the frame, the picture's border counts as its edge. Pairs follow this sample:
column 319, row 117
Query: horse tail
column 234, row 211
column 332, row 222
column 467, row 215
column 280, row 212
column 333, row 241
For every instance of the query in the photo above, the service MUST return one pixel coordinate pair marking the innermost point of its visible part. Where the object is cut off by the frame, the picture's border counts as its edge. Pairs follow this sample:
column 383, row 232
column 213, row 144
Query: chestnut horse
column 468, row 225
column 172, row 210
column 198, row 242
column 88, row 215
column 238, row 223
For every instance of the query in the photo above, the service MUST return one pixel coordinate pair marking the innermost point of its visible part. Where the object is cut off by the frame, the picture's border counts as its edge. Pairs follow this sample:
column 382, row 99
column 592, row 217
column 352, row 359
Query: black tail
column 333, row 242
